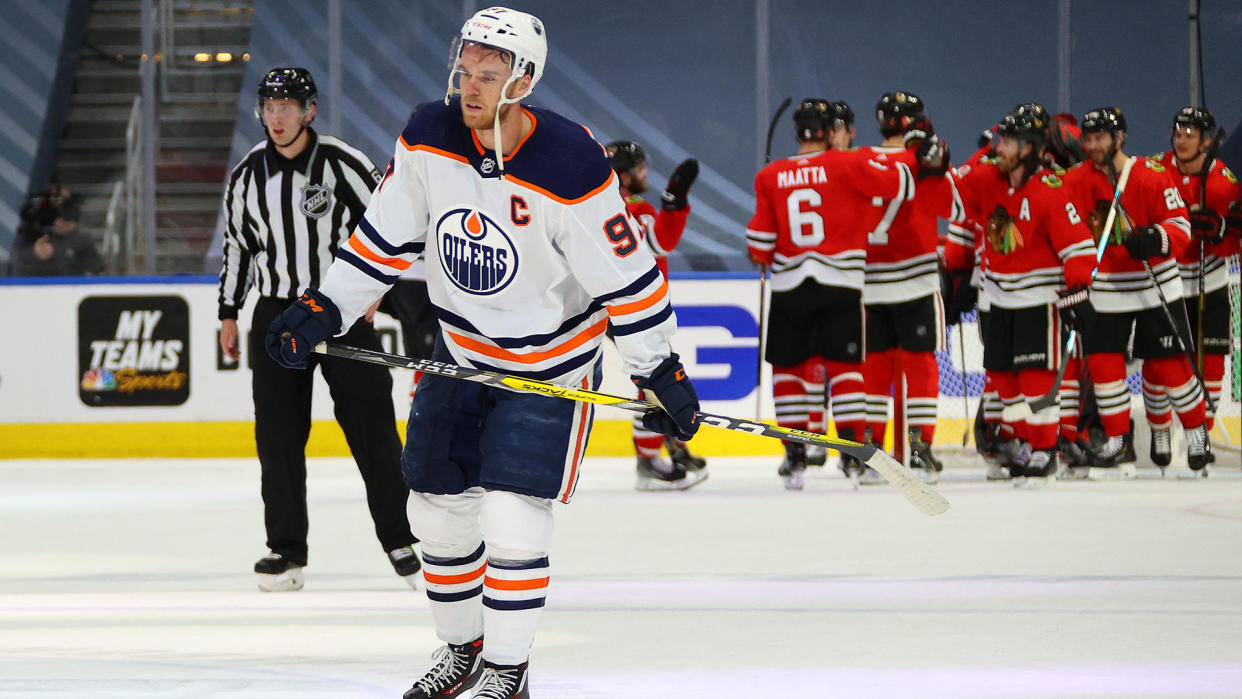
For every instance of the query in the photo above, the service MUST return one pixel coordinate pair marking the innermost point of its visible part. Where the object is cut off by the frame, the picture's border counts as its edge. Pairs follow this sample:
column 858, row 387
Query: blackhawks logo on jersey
column 1052, row 181
column 1003, row 234
column 1233, row 179
column 1154, row 165
column 1121, row 224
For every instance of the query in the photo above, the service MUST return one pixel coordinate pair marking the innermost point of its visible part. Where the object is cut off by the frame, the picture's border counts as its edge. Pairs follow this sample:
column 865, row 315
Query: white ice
column 132, row 579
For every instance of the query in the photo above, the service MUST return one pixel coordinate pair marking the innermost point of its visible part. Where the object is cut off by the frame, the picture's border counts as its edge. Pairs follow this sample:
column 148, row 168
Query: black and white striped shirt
column 286, row 217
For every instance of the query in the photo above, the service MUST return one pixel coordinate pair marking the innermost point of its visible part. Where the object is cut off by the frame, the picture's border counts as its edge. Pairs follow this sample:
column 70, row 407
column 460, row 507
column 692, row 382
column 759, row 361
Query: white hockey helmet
column 518, row 34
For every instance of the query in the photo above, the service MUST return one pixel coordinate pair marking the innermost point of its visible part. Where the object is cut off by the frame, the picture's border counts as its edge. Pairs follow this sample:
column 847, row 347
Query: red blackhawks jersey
column 1222, row 189
column 903, row 235
column 1150, row 199
column 1034, row 242
column 962, row 245
column 660, row 229
column 809, row 215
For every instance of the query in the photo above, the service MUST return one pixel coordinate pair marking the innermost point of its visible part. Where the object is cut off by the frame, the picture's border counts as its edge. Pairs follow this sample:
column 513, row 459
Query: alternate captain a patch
column 476, row 253
column 316, row 200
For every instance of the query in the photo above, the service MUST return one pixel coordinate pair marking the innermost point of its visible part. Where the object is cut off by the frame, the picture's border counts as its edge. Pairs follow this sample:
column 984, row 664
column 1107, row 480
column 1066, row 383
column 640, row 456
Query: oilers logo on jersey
column 477, row 254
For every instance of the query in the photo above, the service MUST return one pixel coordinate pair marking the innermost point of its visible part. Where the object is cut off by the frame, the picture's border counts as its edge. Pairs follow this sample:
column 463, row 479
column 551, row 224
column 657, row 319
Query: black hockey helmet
column 841, row 114
column 1196, row 118
column 812, row 116
column 289, row 83
column 625, row 155
column 1028, row 123
column 1100, row 119
column 896, row 110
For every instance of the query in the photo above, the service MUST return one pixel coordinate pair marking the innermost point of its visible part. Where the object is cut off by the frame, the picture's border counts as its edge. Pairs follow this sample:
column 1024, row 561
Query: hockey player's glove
column 1070, row 302
column 675, row 194
column 294, row 333
column 918, row 130
column 932, row 155
column 1207, row 226
column 1233, row 219
column 1147, row 242
column 958, row 294
column 670, row 389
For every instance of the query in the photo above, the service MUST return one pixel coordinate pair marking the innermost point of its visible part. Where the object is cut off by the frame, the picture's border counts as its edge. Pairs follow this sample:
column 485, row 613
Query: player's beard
column 637, row 186
column 1007, row 165
column 485, row 120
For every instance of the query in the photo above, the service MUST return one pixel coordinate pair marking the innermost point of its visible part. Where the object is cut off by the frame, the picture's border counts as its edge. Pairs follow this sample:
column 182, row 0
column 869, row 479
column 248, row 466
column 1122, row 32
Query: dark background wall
column 680, row 77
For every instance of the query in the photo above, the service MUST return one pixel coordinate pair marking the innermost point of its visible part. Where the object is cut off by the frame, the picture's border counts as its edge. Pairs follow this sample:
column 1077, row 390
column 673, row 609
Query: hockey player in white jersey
column 530, row 256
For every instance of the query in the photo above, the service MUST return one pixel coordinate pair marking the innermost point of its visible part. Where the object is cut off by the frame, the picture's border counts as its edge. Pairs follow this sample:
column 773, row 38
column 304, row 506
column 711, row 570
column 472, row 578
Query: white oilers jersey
column 525, row 272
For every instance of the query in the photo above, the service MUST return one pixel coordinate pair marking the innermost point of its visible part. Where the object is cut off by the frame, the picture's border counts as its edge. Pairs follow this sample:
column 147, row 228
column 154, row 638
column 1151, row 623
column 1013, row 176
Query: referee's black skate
column 457, row 668
column 502, row 682
column 278, row 574
column 405, row 562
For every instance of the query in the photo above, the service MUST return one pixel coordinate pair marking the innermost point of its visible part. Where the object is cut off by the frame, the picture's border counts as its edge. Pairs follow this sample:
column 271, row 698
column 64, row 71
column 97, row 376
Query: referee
column 289, row 203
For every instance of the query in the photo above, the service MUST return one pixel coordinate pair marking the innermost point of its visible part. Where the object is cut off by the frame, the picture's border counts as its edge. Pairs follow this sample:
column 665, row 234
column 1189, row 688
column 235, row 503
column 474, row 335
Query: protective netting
column 961, row 389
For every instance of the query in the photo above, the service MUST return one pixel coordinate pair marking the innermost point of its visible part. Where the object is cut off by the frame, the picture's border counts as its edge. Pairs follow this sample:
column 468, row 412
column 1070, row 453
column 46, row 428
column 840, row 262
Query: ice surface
column 132, row 579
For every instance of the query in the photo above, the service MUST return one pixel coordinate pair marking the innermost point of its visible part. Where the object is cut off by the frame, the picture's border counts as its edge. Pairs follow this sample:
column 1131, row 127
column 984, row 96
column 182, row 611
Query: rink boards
column 127, row 367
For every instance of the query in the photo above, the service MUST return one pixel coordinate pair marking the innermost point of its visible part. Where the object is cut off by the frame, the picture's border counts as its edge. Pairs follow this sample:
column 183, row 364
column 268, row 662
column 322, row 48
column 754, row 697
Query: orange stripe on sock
column 454, row 579
column 498, row 584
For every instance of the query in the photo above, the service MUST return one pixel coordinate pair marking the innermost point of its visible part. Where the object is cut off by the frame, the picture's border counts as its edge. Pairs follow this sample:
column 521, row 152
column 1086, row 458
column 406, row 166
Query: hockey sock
column 1177, row 378
column 849, row 401
column 1112, row 396
column 455, row 591
column 453, row 560
column 813, row 380
column 1213, row 376
column 878, row 384
column 518, row 531
column 789, row 396
column 1070, row 399
column 922, row 391
column 1041, row 427
column 1155, row 402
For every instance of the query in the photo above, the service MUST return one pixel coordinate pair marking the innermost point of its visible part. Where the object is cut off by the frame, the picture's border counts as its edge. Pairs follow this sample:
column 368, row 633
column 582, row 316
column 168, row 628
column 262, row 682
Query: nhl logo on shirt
column 487, row 165
column 476, row 254
column 316, row 200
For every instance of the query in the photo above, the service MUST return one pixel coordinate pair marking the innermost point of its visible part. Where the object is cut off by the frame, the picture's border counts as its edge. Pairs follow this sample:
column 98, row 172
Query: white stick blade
column 911, row 487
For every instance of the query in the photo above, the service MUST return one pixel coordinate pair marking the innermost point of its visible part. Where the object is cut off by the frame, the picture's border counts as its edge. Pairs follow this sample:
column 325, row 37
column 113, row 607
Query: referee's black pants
column 362, row 400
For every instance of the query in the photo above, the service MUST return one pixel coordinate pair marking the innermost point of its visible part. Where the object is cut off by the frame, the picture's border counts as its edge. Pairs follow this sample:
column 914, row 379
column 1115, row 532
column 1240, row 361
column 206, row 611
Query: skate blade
column 1035, row 482
column 651, row 485
column 412, row 579
column 929, row 477
column 1193, row 475
column 797, row 481
column 289, row 581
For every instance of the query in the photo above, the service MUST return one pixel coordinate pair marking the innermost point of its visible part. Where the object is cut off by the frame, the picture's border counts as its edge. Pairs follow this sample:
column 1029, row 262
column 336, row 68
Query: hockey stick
column 1054, row 394
column 922, row 496
column 763, row 274
column 1209, row 158
column 961, row 352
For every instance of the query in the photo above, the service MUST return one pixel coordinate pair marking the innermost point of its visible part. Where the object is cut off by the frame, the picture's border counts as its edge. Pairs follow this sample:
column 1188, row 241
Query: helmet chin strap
column 496, row 134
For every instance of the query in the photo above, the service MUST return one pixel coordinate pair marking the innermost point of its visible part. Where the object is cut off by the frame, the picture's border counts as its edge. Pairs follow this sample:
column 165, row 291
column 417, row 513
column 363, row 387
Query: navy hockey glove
column 1069, row 302
column 1147, row 242
column 675, row 194
column 1207, row 226
column 669, row 388
column 294, row 333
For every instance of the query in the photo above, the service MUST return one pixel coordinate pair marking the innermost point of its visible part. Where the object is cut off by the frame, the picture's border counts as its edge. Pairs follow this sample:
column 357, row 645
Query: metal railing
column 133, row 186
column 114, row 229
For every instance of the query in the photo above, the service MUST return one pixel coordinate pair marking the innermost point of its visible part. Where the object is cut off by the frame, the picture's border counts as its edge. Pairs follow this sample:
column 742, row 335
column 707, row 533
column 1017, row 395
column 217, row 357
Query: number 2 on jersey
column 806, row 228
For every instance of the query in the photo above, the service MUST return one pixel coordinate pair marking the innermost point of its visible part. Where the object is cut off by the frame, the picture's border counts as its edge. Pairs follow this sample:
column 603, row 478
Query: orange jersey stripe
column 478, row 145
column 635, row 306
column 536, row 188
column 393, row 262
column 579, row 446
column 454, row 579
column 498, row 584
column 433, row 149
column 497, row 353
